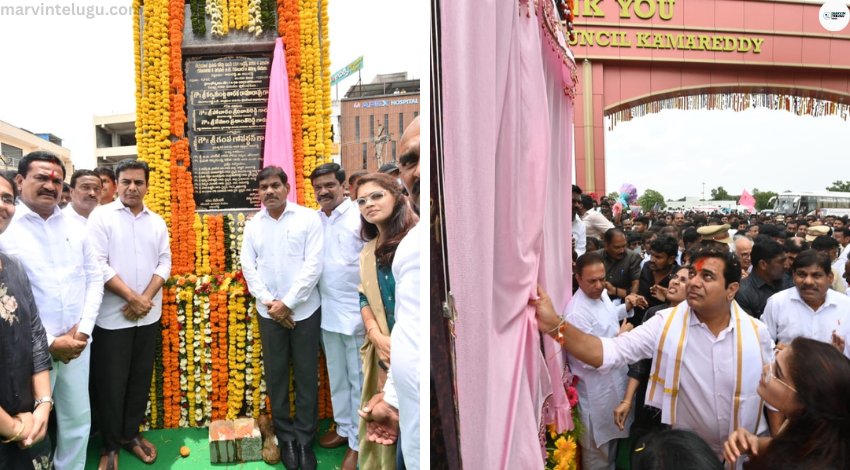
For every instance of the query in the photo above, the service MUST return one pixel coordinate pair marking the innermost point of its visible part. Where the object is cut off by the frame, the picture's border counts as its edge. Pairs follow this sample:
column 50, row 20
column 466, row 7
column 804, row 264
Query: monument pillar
column 590, row 129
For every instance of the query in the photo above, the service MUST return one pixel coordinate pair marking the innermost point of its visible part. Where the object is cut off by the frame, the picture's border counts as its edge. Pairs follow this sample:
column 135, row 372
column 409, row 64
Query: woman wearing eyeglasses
column 386, row 218
column 648, row 418
column 808, row 383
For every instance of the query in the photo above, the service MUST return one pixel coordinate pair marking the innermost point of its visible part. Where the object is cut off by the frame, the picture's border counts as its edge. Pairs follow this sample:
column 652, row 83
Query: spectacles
column 681, row 279
column 767, row 375
column 375, row 196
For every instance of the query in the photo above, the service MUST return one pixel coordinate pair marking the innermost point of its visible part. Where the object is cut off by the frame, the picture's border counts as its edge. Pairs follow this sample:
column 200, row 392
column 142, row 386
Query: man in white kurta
column 705, row 391
column 68, row 289
column 85, row 195
column 282, row 262
column 132, row 248
column 591, row 311
column 342, row 324
column 810, row 309
column 579, row 232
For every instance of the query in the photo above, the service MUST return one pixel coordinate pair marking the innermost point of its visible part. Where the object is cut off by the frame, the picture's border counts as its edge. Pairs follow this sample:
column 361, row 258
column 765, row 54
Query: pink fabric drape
column 277, row 149
column 508, row 145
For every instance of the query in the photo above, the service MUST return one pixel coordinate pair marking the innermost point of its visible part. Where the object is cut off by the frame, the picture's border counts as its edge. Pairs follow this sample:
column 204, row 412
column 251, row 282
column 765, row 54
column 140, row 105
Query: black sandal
column 147, row 454
column 112, row 460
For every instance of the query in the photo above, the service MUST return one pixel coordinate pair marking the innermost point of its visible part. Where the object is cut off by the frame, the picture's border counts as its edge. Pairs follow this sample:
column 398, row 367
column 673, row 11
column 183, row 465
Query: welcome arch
column 699, row 54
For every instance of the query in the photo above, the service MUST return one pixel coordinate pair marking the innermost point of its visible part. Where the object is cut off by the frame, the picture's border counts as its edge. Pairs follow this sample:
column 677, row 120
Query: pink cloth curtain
column 508, row 145
column 278, row 144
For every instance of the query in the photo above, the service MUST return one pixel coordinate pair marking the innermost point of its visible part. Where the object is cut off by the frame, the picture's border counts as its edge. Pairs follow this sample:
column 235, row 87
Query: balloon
column 631, row 193
column 618, row 207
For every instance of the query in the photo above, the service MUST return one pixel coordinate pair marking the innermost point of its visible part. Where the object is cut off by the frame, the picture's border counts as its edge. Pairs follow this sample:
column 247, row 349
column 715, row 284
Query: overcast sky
column 675, row 151
column 57, row 72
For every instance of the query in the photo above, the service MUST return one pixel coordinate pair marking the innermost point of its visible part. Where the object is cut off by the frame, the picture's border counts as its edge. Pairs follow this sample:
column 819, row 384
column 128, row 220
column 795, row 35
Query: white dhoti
column 345, row 371
column 69, row 387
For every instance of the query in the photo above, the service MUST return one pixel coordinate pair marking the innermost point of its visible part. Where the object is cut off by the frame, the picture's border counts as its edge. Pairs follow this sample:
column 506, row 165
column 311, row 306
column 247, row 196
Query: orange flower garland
column 211, row 338
column 153, row 125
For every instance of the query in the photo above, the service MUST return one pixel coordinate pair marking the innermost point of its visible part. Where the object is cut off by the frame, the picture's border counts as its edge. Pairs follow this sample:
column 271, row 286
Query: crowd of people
column 708, row 339
column 81, row 279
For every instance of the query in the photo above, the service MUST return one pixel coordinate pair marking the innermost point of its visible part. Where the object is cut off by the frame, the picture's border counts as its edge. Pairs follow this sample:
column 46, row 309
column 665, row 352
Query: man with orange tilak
column 707, row 354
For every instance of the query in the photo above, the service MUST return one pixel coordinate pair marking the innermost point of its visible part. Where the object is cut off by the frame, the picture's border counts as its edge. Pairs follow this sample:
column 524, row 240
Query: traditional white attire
column 67, row 284
column 700, row 381
column 598, row 392
column 787, row 316
column 580, row 235
column 342, row 325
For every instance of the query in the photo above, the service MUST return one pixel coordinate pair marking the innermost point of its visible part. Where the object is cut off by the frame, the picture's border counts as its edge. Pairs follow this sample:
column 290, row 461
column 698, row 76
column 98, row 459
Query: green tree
column 841, row 186
column 614, row 195
column 649, row 198
column 762, row 198
column 682, row 199
column 719, row 194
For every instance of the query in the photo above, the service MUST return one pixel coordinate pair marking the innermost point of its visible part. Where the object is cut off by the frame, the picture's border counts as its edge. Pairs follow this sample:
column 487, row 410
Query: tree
column 840, row 186
column 649, row 198
column 762, row 198
column 614, row 195
column 719, row 194
column 682, row 199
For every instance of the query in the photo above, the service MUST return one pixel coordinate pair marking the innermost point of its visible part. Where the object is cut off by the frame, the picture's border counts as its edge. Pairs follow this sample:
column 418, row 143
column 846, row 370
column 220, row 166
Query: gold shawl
column 372, row 456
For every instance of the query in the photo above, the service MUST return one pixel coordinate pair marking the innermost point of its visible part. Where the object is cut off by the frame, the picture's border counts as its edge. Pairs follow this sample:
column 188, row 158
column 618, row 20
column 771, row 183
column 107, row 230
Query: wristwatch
column 43, row 400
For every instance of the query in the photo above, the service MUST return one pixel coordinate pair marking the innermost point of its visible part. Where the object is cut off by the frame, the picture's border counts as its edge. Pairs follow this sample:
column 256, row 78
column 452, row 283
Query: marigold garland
column 289, row 28
column 209, row 356
column 153, row 125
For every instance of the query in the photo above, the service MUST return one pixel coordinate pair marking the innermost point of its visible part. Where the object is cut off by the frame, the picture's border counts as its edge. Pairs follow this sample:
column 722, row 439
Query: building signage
column 381, row 103
column 694, row 42
column 658, row 12
column 347, row 71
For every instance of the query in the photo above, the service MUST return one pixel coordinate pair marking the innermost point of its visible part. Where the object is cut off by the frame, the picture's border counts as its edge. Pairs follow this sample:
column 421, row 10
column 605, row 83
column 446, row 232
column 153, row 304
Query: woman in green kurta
column 386, row 218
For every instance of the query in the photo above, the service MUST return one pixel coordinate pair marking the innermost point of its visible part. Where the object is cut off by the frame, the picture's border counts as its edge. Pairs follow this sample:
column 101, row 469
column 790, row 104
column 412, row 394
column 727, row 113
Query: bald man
column 744, row 248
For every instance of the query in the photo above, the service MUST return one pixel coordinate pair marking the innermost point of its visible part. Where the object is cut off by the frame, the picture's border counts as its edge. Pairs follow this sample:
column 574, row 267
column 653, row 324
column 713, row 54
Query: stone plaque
column 226, row 105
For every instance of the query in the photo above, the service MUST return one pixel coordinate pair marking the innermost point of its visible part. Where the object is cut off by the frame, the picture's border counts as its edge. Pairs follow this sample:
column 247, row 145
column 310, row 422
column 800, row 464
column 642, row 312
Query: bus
column 806, row 203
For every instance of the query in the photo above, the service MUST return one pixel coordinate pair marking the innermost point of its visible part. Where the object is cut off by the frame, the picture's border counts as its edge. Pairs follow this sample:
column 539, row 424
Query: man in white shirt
column 579, row 232
column 708, row 354
column 592, row 312
column 595, row 223
column 829, row 246
column 811, row 308
column 68, row 288
column 282, row 263
column 131, row 244
column 394, row 414
column 85, row 195
column 342, row 324
column 107, row 179
column 842, row 234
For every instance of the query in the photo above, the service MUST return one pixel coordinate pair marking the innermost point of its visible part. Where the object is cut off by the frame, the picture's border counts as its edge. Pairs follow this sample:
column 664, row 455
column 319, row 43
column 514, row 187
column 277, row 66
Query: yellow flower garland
column 198, row 227
column 315, row 90
column 153, row 122
column 190, row 356
column 205, row 248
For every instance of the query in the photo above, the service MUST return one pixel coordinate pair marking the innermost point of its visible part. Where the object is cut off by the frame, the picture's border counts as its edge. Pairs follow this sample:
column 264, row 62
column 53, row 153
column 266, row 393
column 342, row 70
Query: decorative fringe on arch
column 799, row 105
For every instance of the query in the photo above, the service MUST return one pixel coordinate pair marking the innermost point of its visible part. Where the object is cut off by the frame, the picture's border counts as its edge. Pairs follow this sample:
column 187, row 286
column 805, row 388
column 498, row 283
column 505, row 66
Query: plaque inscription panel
column 226, row 106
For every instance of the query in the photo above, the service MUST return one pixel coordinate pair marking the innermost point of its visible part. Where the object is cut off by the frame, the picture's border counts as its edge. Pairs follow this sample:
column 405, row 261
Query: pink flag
column 747, row 201
column 278, row 145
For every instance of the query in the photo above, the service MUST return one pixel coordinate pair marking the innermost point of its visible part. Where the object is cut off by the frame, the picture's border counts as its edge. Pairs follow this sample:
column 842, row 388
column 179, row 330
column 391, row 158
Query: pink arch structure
column 638, row 56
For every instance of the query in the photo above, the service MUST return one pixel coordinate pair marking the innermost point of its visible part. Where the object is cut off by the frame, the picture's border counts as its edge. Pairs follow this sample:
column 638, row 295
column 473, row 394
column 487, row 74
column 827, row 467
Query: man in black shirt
column 622, row 266
column 768, row 259
column 655, row 275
